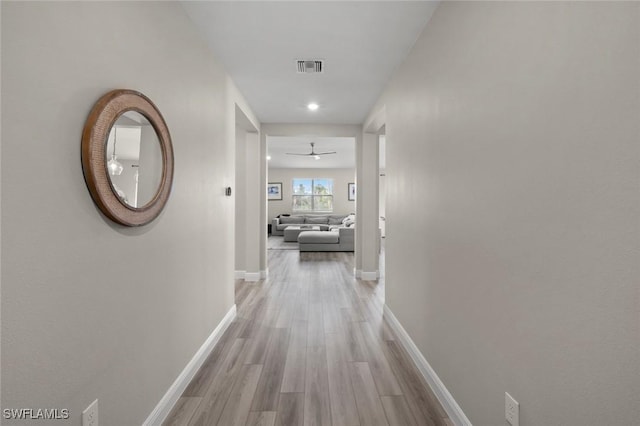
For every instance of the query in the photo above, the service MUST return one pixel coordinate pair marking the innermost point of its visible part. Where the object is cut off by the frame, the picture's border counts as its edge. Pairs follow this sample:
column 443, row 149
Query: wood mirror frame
column 94, row 159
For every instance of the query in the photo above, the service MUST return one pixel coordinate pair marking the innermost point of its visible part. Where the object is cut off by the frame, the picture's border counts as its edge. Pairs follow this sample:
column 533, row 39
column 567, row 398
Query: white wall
column 240, row 195
column 91, row 309
column 513, row 207
column 382, row 187
column 367, row 226
column 254, row 222
column 341, row 177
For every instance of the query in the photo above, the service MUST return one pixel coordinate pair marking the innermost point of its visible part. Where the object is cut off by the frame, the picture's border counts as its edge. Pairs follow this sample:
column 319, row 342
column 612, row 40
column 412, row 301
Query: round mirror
column 134, row 159
column 127, row 157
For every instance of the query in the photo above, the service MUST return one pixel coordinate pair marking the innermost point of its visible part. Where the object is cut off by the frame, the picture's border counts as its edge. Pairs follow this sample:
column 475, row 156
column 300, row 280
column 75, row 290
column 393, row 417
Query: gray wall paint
column 90, row 309
column 513, row 207
column 341, row 177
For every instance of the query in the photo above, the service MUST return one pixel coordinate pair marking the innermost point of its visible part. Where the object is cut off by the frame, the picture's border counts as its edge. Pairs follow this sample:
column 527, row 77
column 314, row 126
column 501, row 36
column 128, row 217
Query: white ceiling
column 361, row 42
column 345, row 156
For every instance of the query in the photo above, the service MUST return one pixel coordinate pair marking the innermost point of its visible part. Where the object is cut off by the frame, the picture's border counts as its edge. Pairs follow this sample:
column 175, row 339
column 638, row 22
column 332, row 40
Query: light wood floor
column 309, row 347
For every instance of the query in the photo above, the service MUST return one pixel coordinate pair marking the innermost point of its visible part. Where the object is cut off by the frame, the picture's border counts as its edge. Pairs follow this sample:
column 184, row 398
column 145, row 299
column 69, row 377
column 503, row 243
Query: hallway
column 309, row 346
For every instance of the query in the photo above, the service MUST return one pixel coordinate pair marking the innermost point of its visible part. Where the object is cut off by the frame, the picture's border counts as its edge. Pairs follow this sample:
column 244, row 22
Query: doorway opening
column 247, row 199
column 310, row 182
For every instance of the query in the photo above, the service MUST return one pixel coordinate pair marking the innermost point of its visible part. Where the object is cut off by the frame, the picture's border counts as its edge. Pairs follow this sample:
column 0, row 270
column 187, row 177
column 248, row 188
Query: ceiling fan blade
column 312, row 153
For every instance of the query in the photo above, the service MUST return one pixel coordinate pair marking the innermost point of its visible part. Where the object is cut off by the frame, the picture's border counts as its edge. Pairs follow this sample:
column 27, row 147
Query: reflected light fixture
column 268, row 157
column 313, row 106
column 114, row 166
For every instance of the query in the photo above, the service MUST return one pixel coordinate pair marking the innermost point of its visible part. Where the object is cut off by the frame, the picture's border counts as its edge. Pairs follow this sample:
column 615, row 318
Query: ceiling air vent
column 309, row 66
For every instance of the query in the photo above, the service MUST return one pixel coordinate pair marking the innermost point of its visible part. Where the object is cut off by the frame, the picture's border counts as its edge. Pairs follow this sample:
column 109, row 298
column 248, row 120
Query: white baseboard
column 357, row 273
column 252, row 276
column 455, row 413
column 369, row 276
column 164, row 407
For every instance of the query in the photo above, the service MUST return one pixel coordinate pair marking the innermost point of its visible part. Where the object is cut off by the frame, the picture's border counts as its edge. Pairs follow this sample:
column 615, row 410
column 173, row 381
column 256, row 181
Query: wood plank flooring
column 309, row 346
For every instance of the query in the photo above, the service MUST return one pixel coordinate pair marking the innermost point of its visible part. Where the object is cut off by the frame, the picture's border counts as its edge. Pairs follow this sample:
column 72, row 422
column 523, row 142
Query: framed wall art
column 351, row 191
column 274, row 191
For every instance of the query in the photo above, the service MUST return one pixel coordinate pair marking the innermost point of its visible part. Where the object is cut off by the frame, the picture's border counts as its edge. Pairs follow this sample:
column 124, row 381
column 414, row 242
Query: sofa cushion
column 292, row 220
column 318, row 237
column 335, row 220
column 317, row 220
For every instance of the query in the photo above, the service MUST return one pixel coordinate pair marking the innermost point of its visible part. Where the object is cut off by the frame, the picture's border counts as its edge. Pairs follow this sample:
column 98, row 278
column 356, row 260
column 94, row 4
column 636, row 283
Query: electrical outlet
column 90, row 415
column 511, row 410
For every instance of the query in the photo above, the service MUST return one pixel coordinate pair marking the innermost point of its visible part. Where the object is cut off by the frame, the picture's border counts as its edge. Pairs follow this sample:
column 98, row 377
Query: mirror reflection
column 134, row 159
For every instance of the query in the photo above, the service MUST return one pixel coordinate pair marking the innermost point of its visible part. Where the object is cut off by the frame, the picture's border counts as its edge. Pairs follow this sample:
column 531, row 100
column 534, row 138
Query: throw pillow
column 336, row 220
column 349, row 219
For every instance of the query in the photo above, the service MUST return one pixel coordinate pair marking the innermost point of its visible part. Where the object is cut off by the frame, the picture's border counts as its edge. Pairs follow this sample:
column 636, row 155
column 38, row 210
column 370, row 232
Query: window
column 312, row 195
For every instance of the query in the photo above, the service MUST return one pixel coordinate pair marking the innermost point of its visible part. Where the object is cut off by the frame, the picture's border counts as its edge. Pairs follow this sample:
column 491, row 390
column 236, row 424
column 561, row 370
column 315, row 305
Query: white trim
column 164, row 407
column 455, row 413
column 357, row 273
column 369, row 276
column 252, row 276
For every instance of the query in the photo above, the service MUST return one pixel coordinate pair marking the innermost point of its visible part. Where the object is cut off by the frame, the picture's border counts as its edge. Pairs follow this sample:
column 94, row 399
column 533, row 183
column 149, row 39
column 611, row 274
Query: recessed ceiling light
column 268, row 157
column 313, row 106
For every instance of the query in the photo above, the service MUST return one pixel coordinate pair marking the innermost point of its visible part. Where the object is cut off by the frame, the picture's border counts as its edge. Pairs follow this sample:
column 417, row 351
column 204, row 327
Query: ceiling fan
column 313, row 154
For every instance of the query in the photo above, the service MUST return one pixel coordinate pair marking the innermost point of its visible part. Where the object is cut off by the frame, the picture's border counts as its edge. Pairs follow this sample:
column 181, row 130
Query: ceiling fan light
column 317, row 157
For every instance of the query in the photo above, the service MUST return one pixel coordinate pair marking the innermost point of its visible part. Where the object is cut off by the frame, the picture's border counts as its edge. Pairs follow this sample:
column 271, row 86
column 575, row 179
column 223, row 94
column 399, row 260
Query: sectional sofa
column 336, row 231
column 324, row 221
